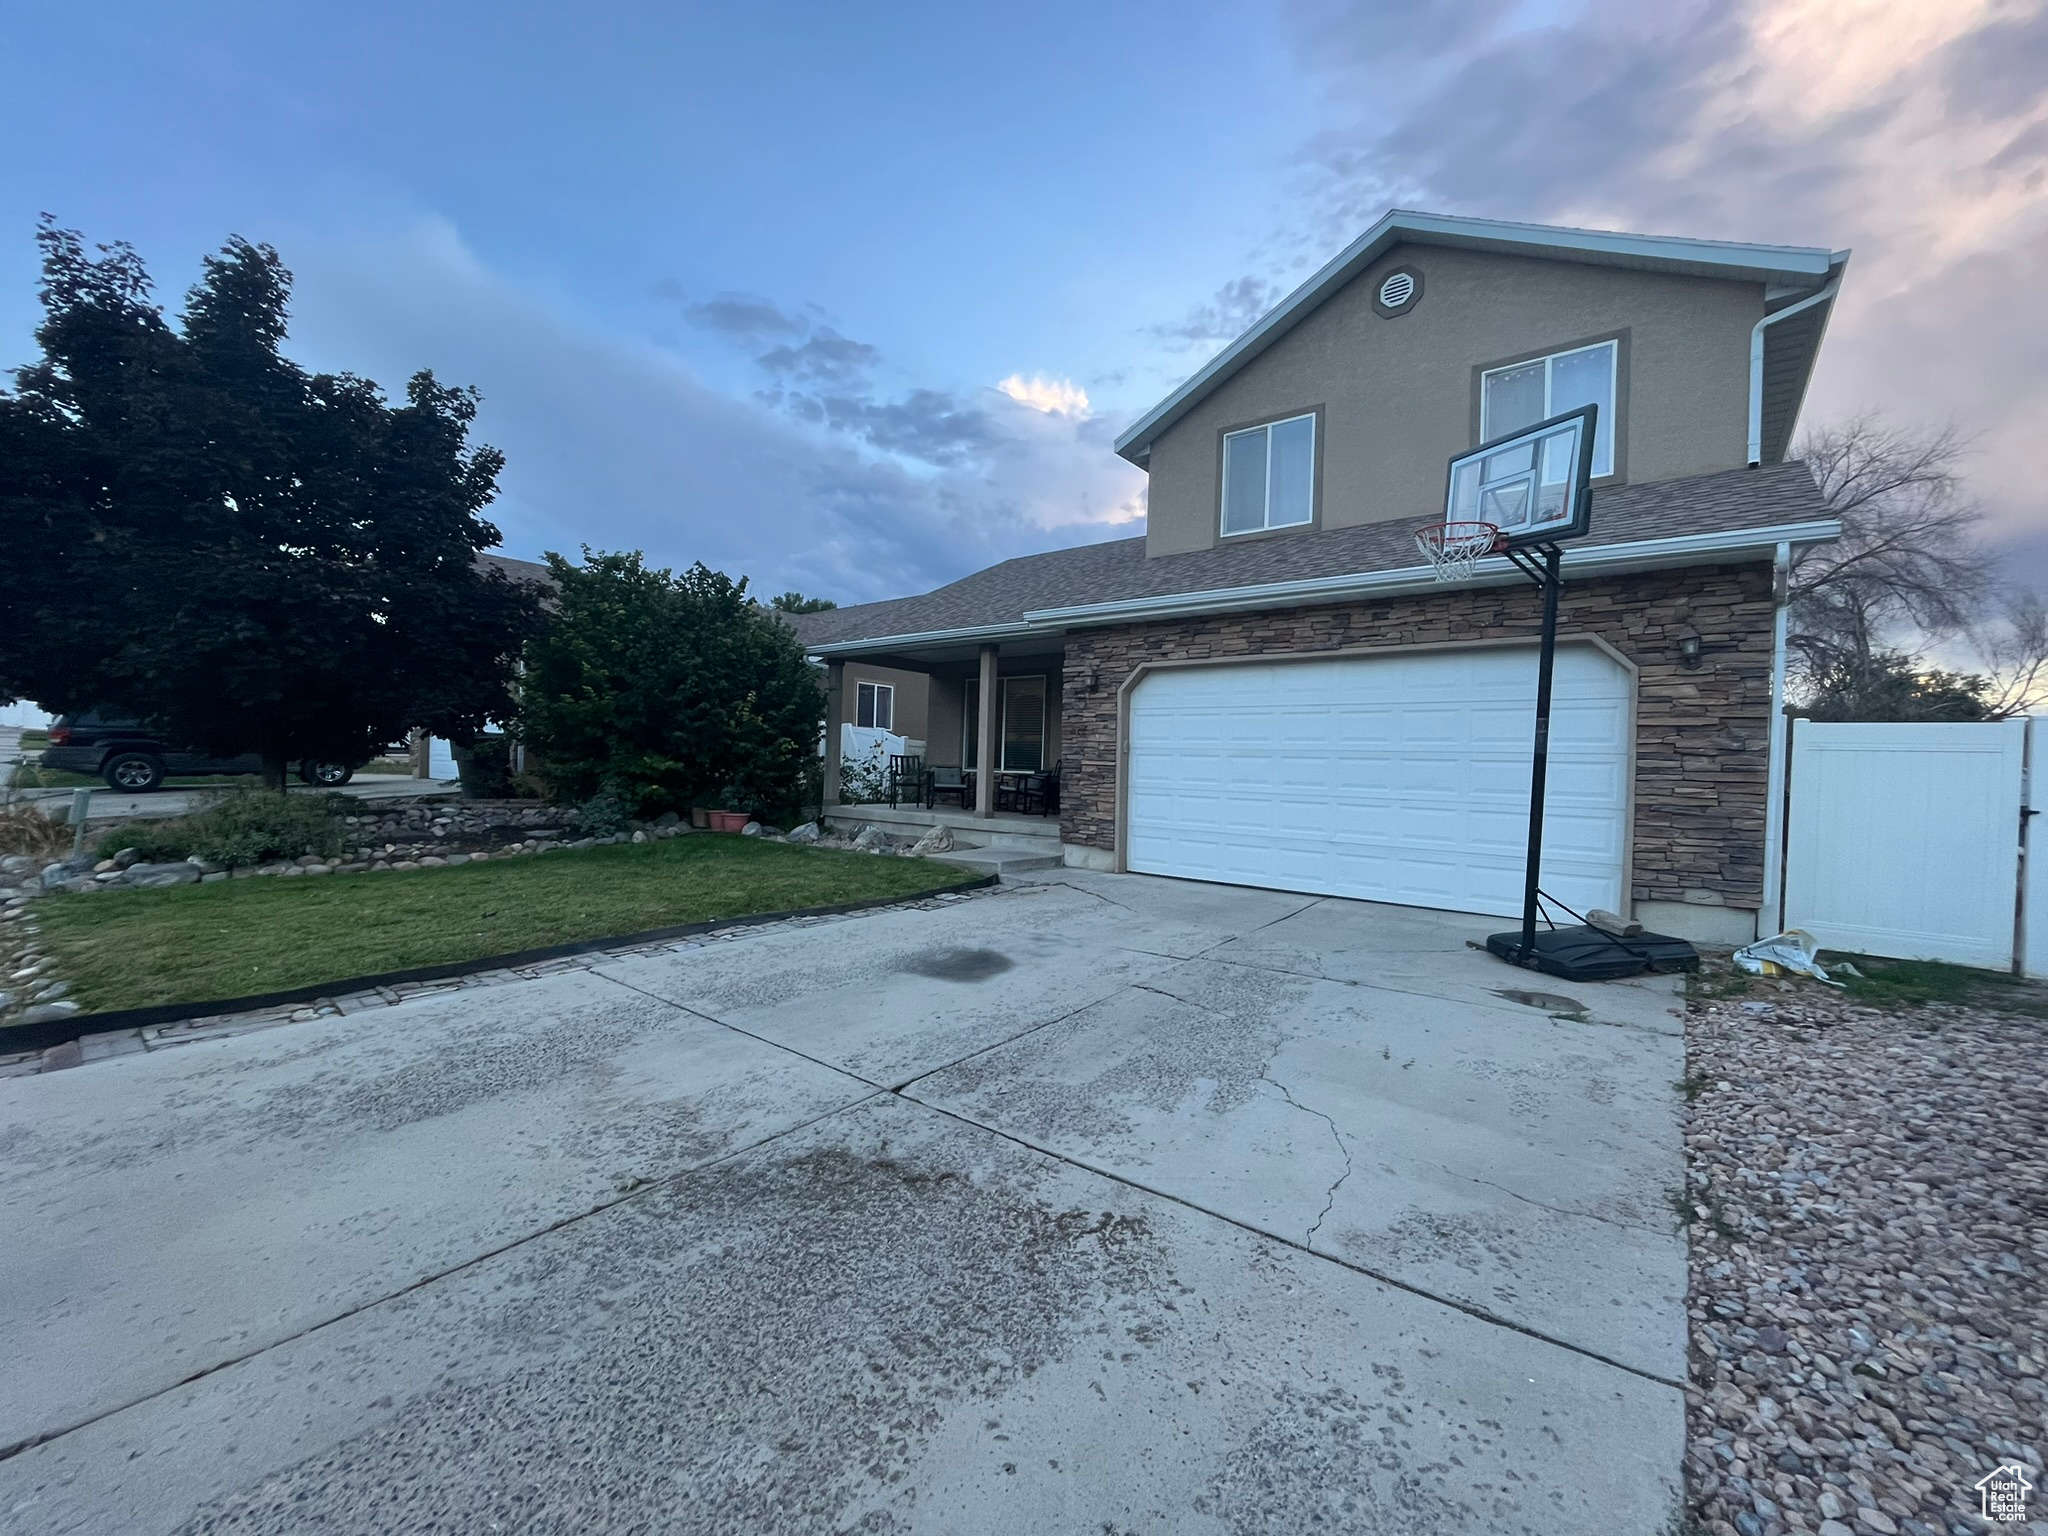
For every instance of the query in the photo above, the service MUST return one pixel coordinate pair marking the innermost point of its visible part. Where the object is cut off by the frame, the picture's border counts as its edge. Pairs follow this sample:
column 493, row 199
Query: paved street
column 1099, row 1204
column 112, row 805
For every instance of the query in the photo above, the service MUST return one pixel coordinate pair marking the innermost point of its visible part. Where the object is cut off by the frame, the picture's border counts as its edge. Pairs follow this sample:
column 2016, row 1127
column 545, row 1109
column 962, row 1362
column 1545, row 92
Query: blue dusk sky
column 853, row 299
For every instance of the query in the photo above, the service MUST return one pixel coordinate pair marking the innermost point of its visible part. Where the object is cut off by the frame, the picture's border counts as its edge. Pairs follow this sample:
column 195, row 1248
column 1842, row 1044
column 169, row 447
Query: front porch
column 987, row 713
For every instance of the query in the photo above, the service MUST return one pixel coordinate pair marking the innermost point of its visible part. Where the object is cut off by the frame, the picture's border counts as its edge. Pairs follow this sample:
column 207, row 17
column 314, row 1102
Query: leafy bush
column 156, row 842
column 606, row 812
column 864, row 777
column 245, row 826
column 669, row 689
column 485, row 768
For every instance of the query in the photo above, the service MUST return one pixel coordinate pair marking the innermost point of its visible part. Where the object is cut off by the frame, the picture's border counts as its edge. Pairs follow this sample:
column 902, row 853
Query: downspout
column 1771, row 918
column 1756, row 366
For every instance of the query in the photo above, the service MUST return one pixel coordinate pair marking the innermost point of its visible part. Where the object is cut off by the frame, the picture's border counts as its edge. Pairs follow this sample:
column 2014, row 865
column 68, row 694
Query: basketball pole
column 1539, row 768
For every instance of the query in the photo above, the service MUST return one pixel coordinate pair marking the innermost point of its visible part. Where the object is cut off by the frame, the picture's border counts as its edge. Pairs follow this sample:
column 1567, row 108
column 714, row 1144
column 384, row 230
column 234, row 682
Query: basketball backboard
column 1531, row 484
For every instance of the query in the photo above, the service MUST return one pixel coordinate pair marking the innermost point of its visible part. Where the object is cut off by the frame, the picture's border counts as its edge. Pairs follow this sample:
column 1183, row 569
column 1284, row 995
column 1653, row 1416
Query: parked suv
column 132, row 757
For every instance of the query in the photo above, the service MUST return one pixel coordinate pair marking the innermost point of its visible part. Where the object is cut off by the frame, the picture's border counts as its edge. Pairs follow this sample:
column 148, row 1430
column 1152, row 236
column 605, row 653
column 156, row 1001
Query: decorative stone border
column 72, row 1042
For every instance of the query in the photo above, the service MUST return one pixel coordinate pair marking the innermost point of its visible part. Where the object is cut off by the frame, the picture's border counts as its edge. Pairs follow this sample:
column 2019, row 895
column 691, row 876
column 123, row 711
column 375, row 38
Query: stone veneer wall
column 1702, row 735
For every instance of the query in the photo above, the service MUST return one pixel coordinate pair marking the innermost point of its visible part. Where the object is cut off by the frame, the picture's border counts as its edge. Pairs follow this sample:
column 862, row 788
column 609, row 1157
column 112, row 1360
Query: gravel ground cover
column 1868, row 1200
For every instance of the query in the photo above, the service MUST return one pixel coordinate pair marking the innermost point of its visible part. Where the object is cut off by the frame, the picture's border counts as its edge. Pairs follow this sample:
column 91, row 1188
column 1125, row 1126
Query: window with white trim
column 1269, row 476
column 874, row 705
column 1522, row 394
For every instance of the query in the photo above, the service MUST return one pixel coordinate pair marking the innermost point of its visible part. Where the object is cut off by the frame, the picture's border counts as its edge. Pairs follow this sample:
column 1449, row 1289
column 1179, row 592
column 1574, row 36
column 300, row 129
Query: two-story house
column 1269, row 688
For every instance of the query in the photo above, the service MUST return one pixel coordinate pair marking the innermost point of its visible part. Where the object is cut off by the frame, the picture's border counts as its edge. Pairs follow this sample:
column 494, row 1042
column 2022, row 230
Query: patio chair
column 906, row 776
column 1038, row 794
column 942, row 782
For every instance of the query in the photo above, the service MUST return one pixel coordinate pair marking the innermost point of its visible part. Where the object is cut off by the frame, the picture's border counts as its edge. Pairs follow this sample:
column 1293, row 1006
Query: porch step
column 1018, row 834
column 999, row 861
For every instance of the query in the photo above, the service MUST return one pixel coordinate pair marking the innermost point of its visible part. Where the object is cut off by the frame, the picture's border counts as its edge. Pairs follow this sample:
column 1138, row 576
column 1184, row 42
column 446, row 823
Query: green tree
column 669, row 690
column 1893, row 685
column 196, row 532
column 796, row 602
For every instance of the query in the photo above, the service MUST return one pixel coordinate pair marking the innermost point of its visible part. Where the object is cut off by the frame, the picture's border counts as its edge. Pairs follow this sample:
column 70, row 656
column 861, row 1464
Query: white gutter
column 925, row 637
column 1594, row 560
column 1771, row 919
column 1756, row 365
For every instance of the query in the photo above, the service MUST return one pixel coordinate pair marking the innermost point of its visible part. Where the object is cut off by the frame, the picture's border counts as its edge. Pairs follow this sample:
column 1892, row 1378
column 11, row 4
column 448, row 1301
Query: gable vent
column 1397, row 290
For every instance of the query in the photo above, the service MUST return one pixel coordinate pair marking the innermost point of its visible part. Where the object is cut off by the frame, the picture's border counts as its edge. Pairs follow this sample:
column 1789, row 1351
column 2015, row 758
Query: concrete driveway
column 1097, row 1204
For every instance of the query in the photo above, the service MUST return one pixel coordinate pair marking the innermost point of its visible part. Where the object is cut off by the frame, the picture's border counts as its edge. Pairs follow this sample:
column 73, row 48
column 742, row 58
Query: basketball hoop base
column 1587, row 954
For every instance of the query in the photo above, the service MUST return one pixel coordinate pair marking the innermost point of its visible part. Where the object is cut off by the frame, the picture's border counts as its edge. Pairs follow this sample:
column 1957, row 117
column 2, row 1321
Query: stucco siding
column 1398, row 394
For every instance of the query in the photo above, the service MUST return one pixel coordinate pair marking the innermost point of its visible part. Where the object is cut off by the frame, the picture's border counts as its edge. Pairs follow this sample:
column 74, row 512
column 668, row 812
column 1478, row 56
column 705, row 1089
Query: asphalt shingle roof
column 1119, row 570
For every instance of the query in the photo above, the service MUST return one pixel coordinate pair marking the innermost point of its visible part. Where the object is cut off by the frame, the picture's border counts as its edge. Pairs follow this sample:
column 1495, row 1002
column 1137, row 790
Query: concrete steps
column 999, row 861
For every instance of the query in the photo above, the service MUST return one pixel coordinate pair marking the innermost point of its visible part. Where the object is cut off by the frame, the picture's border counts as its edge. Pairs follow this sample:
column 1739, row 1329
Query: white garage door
column 1400, row 778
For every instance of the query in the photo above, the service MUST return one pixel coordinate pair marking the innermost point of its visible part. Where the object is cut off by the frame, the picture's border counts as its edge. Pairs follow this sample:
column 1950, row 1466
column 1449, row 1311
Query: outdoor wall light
column 1092, row 681
column 1688, row 651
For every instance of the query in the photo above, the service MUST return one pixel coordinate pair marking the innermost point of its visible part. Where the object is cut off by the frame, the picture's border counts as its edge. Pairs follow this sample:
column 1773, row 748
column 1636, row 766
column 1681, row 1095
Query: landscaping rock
column 126, row 858
column 1867, row 1284
column 54, row 875
column 871, row 839
column 666, row 820
column 151, row 877
column 938, row 840
column 752, row 829
column 641, row 837
column 6, row 1001
column 807, row 833
column 17, row 864
column 49, row 1013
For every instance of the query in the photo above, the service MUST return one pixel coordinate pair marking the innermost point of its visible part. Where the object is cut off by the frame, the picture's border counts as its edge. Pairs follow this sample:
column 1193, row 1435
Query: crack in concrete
column 1330, row 1199
column 1555, row 1210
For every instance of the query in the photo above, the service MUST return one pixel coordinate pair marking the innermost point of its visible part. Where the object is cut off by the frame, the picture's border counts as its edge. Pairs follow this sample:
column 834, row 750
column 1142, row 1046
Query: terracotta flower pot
column 700, row 818
column 729, row 821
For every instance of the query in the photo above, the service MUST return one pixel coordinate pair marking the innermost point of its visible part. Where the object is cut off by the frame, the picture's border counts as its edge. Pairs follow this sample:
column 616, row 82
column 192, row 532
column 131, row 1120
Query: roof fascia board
column 981, row 634
column 1765, row 263
column 1595, row 560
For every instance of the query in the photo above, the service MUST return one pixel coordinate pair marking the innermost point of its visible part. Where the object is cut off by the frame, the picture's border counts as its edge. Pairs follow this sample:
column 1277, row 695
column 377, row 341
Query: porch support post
column 985, row 749
column 835, row 691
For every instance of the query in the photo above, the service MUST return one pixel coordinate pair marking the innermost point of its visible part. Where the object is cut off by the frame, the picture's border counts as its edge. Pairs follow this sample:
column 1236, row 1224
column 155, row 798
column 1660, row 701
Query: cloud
column 1055, row 397
column 616, row 443
column 1915, row 131
column 826, row 358
column 742, row 316
column 1235, row 309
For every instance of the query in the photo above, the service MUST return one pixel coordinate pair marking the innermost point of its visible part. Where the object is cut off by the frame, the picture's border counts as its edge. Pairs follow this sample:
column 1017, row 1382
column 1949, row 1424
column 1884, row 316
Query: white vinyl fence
column 1909, row 841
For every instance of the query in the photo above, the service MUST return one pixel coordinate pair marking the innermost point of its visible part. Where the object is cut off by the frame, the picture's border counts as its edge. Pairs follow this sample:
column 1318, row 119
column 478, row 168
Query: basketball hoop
column 1452, row 549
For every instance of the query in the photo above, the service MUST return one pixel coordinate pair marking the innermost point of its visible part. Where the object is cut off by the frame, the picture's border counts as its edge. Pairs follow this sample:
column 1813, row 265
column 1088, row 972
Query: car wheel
column 326, row 775
column 135, row 773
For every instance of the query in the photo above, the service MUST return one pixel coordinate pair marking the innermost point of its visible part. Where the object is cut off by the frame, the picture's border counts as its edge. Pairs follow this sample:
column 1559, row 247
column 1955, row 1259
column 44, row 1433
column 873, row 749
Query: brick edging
column 37, row 1037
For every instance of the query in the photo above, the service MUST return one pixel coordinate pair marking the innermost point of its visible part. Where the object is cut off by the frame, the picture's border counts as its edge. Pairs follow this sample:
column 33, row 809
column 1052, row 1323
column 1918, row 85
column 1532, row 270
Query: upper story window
column 874, row 705
column 1269, row 475
column 1523, row 394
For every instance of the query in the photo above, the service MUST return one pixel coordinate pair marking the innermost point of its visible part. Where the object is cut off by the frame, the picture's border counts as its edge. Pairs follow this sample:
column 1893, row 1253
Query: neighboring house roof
column 518, row 570
column 1663, row 523
column 1789, row 273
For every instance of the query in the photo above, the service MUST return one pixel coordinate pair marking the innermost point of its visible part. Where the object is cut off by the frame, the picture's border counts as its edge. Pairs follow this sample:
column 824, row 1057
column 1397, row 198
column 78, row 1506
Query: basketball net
column 1452, row 549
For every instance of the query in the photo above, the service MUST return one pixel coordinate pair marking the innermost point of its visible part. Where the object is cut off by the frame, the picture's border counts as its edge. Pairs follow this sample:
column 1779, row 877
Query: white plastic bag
column 1793, row 951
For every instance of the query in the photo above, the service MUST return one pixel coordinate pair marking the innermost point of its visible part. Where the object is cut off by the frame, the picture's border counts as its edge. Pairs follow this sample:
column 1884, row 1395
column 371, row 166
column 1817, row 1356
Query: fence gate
column 1905, row 840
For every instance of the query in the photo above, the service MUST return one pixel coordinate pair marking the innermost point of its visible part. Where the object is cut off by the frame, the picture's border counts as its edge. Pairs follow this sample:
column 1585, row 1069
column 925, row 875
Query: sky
column 854, row 300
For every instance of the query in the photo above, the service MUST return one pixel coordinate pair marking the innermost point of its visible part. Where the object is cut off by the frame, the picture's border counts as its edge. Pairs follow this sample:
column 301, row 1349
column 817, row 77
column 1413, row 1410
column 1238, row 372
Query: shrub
column 156, row 842
column 24, row 829
column 245, row 826
column 606, row 812
column 668, row 688
column 485, row 768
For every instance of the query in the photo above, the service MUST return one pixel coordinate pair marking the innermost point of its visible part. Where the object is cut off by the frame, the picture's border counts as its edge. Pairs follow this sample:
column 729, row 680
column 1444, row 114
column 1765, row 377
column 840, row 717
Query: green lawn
column 194, row 943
